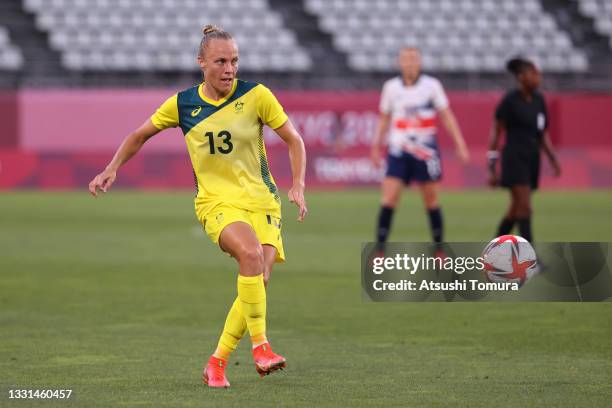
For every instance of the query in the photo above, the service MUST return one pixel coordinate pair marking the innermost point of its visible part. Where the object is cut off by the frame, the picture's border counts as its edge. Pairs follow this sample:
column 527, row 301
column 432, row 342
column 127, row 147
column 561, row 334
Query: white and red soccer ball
column 509, row 258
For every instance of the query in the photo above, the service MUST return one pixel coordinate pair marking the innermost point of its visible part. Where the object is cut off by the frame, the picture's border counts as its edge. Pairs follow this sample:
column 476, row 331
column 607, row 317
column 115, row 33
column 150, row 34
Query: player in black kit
column 523, row 117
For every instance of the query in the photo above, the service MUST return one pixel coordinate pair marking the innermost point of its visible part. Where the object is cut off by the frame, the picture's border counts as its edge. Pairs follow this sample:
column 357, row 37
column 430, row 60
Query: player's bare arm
column 128, row 148
column 549, row 151
column 450, row 123
column 382, row 128
column 297, row 157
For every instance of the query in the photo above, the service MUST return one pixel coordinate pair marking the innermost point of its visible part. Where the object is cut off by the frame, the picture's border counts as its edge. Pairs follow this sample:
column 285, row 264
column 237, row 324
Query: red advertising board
column 59, row 138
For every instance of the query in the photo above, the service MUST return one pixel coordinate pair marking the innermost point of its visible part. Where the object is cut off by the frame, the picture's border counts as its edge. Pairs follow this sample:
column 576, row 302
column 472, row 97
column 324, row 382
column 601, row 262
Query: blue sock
column 384, row 224
column 435, row 221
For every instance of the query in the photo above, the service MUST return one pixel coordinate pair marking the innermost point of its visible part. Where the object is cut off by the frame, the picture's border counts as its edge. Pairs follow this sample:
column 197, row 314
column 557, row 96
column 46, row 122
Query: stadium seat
column 11, row 58
column 460, row 35
column 119, row 29
column 601, row 12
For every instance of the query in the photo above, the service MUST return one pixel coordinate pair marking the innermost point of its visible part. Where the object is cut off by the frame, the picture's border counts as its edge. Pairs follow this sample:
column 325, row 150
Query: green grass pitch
column 122, row 299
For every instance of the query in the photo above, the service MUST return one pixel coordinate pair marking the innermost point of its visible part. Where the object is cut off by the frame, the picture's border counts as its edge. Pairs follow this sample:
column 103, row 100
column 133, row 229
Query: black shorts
column 520, row 168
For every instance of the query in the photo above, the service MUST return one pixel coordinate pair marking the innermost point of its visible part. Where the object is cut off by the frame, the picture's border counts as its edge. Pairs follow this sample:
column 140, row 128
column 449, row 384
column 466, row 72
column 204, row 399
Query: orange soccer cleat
column 214, row 373
column 266, row 361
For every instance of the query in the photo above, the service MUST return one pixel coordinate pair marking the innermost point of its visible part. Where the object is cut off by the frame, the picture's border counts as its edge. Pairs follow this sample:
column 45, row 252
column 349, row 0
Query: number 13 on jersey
column 223, row 146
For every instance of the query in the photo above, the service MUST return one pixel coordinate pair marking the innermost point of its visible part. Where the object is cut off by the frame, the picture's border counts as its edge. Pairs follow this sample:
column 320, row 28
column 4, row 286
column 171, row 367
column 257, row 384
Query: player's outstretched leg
column 240, row 241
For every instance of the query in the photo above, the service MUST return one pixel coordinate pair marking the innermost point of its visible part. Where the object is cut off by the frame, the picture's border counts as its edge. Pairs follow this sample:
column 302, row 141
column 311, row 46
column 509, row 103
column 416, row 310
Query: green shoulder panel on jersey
column 193, row 110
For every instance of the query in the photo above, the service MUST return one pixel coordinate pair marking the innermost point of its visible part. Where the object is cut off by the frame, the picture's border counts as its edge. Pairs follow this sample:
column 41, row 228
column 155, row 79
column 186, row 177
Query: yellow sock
column 252, row 294
column 258, row 340
column 233, row 331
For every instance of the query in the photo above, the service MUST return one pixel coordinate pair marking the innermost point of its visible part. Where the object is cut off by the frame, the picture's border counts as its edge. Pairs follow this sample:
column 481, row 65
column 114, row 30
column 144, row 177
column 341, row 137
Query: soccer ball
column 509, row 258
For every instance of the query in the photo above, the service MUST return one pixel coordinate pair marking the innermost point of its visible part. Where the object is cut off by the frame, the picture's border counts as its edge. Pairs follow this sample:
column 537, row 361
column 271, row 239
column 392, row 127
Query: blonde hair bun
column 211, row 32
column 210, row 28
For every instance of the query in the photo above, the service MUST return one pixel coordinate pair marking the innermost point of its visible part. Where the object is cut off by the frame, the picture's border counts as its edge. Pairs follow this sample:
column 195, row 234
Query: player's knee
column 253, row 258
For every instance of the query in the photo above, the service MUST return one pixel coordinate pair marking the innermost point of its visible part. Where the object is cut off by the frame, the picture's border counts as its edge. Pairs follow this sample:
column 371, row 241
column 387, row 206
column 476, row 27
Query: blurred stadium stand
column 601, row 12
column 10, row 55
column 465, row 35
column 320, row 44
column 163, row 35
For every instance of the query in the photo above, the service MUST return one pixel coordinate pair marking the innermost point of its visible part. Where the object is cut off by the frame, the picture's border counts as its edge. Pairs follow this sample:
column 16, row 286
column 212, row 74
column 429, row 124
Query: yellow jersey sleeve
column 167, row 115
column 269, row 109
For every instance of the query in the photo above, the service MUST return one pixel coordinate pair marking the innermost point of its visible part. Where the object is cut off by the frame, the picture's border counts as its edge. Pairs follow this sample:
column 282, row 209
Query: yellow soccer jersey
column 226, row 146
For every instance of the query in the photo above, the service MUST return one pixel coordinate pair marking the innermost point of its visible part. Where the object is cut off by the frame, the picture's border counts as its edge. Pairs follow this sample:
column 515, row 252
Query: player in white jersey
column 409, row 106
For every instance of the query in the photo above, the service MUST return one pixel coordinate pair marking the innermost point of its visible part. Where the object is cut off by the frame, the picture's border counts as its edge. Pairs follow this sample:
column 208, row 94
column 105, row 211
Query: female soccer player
column 522, row 115
column 237, row 201
column 408, row 108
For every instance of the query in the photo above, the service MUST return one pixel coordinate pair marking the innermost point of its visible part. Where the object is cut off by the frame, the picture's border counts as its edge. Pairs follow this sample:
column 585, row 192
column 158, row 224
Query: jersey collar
column 220, row 101
column 416, row 81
